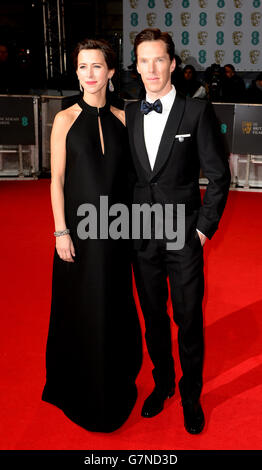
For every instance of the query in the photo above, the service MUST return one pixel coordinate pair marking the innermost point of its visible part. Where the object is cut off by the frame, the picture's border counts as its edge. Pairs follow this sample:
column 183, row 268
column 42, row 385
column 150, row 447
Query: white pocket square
column 181, row 137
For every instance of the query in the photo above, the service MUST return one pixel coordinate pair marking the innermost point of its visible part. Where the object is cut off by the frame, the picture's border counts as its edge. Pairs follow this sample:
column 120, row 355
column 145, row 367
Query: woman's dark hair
column 154, row 34
column 100, row 44
column 230, row 66
column 193, row 70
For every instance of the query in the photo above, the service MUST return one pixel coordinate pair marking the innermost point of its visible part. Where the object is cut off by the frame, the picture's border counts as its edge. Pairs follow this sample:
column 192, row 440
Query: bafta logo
column 202, row 3
column 237, row 37
column 132, row 36
column 184, row 55
column 238, row 3
column 254, row 56
column 134, row 3
column 255, row 18
column 220, row 18
column 168, row 3
column 246, row 127
column 185, row 18
column 151, row 19
column 202, row 37
column 219, row 56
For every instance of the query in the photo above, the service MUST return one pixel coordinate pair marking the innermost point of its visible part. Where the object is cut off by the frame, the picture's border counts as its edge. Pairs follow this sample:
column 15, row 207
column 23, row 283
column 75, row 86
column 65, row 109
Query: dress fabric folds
column 94, row 347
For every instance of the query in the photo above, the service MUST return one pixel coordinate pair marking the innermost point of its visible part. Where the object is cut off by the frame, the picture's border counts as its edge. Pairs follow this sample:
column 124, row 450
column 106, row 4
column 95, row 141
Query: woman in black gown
column 94, row 347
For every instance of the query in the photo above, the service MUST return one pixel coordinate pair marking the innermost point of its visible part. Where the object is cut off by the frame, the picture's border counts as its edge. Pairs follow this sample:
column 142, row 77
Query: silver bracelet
column 59, row 233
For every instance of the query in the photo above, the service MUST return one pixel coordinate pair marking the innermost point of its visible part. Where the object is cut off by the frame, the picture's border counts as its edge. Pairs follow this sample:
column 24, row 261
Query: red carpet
column 233, row 331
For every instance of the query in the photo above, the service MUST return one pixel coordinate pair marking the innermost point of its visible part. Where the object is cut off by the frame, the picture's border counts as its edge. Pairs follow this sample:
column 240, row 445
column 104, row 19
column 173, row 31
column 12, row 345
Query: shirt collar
column 166, row 100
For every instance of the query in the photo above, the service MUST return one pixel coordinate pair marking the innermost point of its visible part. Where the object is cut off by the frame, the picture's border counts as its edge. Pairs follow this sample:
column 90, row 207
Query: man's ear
column 137, row 68
column 173, row 65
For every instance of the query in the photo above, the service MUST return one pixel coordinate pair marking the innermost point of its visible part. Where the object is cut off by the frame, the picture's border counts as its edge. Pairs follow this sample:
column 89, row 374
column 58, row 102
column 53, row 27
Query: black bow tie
column 147, row 107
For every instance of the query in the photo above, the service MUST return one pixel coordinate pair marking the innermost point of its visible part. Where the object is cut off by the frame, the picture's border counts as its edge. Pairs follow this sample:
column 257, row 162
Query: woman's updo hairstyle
column 100, row 44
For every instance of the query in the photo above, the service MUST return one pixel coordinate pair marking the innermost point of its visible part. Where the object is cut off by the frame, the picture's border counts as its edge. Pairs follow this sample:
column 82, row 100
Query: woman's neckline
column 93, row 109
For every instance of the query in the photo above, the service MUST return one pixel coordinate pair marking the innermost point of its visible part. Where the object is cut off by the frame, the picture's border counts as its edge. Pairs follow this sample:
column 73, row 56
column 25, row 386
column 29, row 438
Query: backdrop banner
column 204, row 31
column 248, row 129
column 17, row 125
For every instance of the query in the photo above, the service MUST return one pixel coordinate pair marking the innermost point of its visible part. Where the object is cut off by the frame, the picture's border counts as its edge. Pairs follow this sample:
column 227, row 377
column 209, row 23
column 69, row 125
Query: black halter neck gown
column 94, row 347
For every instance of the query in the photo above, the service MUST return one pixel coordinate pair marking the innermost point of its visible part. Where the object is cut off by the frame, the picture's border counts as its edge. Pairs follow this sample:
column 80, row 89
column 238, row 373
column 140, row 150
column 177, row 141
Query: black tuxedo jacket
column 175, row 176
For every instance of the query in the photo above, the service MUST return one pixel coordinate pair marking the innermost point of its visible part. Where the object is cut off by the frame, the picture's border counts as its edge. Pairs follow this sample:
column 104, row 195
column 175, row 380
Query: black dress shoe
column 194, row 419
column 154, row 404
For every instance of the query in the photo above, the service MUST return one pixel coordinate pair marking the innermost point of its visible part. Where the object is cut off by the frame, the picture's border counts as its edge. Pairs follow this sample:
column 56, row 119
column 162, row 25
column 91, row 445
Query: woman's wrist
column 60, row 233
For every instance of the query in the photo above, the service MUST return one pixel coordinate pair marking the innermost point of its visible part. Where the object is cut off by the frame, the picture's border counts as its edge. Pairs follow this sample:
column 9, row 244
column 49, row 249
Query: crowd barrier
column 19, row 136
column 25, row 127
column 49, row 107
column 241, row 128
column 26, row 121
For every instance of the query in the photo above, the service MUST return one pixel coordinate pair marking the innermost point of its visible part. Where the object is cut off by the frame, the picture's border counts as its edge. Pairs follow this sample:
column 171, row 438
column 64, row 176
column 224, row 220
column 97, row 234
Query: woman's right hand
column 65, row 248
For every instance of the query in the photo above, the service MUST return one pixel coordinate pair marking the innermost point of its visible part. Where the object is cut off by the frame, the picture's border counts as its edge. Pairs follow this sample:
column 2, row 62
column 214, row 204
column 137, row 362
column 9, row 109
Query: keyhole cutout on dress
column 101, row 136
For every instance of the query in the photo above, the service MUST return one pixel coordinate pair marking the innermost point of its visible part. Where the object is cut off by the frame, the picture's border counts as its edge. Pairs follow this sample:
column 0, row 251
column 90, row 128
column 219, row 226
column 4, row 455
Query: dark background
column 22, row 30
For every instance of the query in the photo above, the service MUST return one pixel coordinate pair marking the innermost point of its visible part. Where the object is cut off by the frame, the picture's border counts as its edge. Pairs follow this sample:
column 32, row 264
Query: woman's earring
column 80, row 86
column 111, row 86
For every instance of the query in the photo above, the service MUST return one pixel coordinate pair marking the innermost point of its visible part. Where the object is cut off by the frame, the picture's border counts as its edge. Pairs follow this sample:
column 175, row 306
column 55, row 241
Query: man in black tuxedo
column 171, row 138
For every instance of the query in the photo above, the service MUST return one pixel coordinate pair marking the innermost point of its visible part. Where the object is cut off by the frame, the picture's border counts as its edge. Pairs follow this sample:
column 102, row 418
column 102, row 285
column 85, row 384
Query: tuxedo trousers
column 152, row 266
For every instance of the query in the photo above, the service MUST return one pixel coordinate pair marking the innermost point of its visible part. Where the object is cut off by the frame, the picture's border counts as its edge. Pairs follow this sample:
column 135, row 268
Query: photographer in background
column 213, row 79
column 6, row 70
column 16, row 71
column 233, row 86
column 254, row 92
column 189, row 85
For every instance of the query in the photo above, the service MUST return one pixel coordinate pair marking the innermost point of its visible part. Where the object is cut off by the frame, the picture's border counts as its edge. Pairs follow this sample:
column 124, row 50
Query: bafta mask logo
column 219, row 56
column 185, row 18
column 237, row 37
column 184, row 55
column 202, row 3
column 255, row 18
column 238, row 3
column 246, row 127
column 134, row 3
column 168, row 3
column 254, row 56
column 151, row 19
column 132, row 36
column 220, row 18
column 202, row 37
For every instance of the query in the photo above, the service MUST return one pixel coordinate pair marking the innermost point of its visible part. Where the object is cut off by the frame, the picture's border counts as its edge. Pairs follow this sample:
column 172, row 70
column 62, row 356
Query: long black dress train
column 94, row 349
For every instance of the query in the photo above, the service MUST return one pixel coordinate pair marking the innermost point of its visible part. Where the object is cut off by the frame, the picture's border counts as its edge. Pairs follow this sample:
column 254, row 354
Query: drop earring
column 111, row 86
column 80, row 86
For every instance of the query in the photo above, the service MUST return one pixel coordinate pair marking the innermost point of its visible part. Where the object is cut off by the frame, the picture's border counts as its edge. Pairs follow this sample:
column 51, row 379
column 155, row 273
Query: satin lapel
column 139, row 141
column 169, row 133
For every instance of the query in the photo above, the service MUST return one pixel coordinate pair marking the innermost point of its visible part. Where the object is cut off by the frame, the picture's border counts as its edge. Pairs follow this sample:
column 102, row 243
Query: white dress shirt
column 154, row 124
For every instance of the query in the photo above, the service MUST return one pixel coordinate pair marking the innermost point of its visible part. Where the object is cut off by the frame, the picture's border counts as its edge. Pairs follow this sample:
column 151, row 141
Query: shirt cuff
column 200, row 232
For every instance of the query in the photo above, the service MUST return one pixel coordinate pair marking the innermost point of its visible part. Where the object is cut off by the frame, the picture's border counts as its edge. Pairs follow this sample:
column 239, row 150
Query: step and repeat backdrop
column 204, row 31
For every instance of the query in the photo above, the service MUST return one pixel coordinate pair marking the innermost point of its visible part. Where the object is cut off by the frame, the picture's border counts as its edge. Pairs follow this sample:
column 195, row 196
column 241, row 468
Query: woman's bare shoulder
column 119, row 113
column 68, row 114
column 66, row 117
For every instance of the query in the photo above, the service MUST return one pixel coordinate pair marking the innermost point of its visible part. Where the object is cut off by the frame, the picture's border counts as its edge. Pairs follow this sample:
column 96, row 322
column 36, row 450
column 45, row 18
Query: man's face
column 155, row 67
column 229, row 72
column 188, row 74
column 3, row 53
